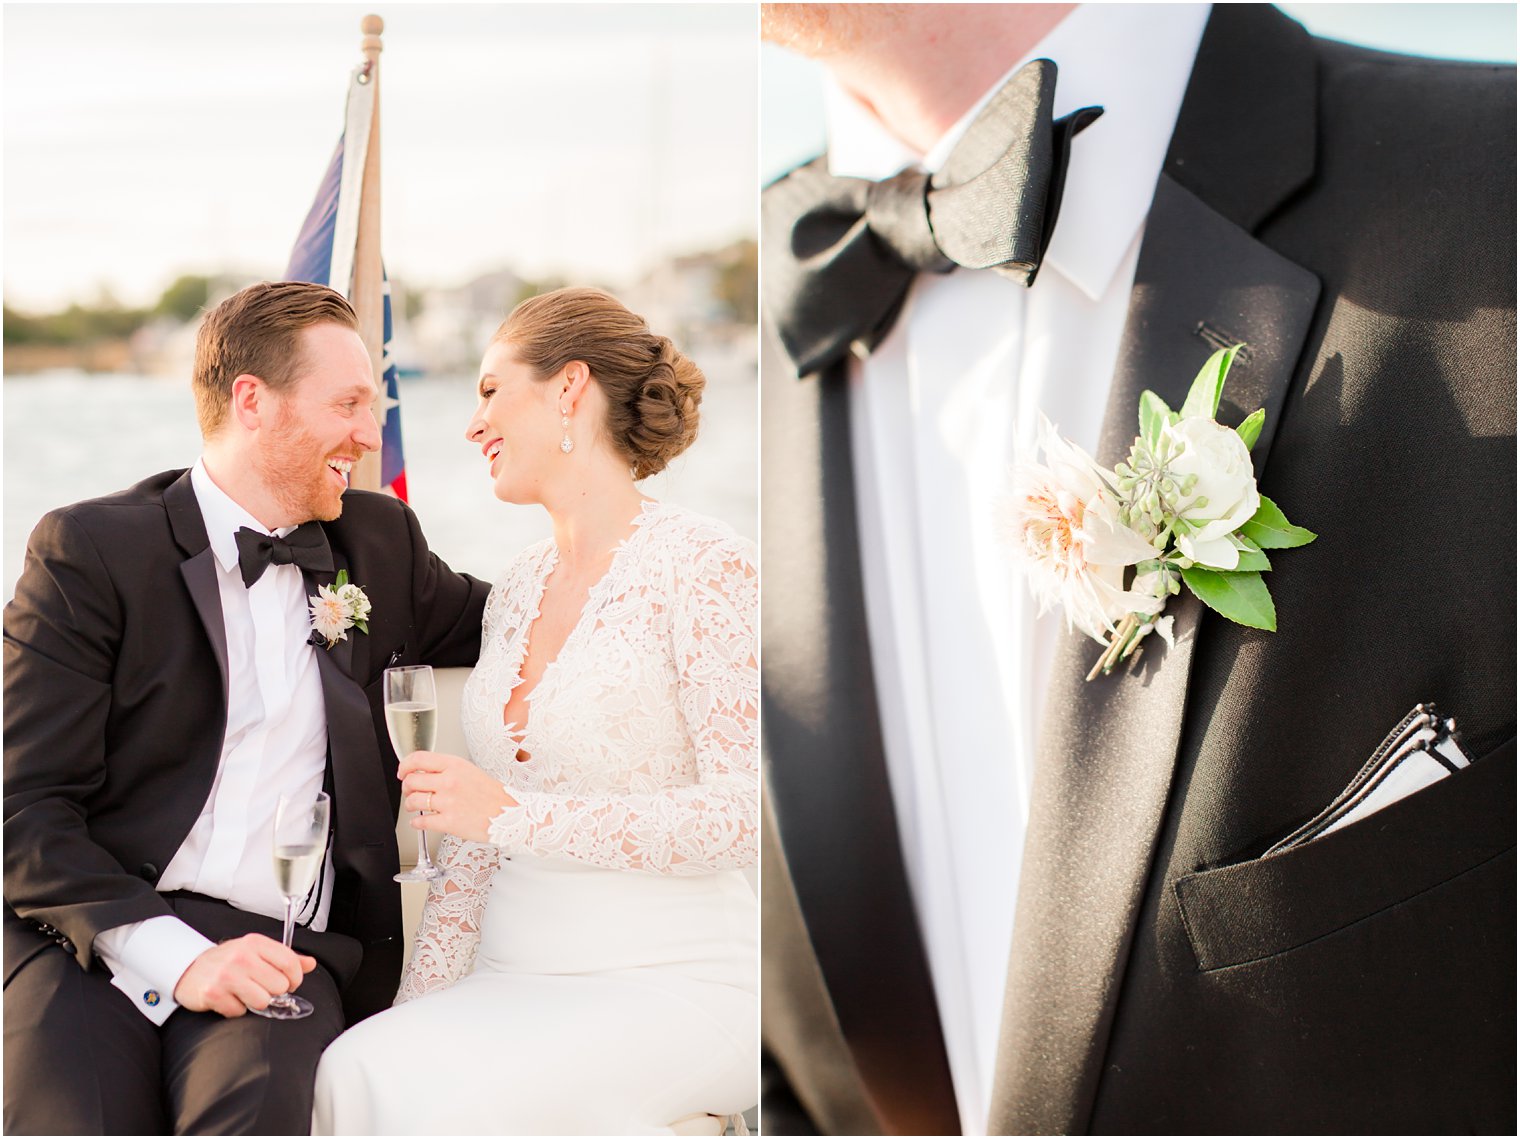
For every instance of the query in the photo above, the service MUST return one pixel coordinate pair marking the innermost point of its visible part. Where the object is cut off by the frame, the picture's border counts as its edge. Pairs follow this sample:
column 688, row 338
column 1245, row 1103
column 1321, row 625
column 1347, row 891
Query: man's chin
column 321, row 508
column 330, row 511
column 820, row 30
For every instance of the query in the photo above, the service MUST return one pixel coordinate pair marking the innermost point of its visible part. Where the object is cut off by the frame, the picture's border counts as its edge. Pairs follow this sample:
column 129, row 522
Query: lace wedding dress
column 591, row 969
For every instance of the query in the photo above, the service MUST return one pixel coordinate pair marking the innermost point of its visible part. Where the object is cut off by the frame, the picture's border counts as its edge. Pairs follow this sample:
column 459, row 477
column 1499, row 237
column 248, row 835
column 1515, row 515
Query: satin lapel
column 199, row 570
column 352, row 654
column 826, row 772
column 796, row 1010
column 356, row 765
column 363, row 827
column 1244, row 143
column 344, row 651
column 1108, row 747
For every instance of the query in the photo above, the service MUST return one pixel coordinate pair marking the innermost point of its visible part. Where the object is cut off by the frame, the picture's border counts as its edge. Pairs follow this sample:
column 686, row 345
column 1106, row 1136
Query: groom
column 163, row 688
column 1001, row 898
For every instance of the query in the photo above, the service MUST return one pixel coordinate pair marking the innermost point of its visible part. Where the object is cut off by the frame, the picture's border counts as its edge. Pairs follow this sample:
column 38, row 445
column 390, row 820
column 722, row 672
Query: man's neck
column 235, row 477
column 921, row 71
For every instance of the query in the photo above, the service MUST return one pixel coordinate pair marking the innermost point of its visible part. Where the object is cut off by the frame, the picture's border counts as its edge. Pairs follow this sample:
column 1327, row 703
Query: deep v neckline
column 594, row 599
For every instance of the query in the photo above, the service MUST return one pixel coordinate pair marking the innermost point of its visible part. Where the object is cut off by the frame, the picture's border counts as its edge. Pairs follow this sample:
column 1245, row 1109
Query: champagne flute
column 411, row 717
column 300, row 842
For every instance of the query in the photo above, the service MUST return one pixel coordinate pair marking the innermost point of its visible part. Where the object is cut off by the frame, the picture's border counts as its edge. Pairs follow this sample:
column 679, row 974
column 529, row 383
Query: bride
column 587, row 965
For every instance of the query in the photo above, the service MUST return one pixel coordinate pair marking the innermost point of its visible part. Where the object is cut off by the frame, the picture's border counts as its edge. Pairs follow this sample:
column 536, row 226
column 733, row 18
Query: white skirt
column 601, row 1002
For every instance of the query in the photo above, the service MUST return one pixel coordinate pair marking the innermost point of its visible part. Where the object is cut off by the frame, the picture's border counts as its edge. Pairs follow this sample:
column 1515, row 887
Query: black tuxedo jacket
column 115, row 709
column 1350, row 216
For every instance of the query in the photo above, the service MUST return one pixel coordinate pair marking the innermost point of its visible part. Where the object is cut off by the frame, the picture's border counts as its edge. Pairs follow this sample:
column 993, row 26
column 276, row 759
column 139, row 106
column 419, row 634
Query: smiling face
column 516, row 425
column 318, row 427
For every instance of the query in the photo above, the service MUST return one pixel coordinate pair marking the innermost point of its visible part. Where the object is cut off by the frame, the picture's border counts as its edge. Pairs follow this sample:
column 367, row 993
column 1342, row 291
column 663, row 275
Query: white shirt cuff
column 147, row 959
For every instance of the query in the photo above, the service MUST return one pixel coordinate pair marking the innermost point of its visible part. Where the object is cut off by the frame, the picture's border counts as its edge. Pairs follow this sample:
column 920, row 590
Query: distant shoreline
column 101, row 356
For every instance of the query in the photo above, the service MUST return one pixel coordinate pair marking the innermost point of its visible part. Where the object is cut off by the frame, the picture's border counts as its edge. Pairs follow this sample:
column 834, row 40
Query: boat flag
column 324, row 254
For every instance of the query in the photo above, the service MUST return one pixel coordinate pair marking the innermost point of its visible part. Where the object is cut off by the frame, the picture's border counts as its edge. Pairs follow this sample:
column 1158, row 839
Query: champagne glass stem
column 283, row 1004
column 423, row 861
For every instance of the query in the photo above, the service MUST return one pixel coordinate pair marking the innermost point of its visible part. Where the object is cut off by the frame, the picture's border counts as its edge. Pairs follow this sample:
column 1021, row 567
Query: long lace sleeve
column 449, row 933
column 707, row 825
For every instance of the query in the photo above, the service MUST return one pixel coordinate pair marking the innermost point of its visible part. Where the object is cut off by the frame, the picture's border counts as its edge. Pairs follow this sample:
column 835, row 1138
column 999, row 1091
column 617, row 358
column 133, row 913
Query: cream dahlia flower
column 1065, row 516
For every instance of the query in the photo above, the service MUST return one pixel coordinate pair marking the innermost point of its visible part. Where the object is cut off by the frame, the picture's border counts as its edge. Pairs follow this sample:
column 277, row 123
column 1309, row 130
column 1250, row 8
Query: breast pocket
column 1258, row 909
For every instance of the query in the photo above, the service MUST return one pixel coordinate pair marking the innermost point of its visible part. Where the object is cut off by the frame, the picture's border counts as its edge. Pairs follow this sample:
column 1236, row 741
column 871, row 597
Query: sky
column 142, row 141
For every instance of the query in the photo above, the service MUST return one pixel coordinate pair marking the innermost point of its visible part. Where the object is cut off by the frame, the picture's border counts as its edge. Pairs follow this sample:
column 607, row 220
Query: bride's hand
column 455, row 796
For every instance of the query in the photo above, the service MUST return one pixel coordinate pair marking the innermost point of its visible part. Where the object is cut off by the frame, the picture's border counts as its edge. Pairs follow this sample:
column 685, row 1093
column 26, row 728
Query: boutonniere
column 1182, row 511
column 335, row 609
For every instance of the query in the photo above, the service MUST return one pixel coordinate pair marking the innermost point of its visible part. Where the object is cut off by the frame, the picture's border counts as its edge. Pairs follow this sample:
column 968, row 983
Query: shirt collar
column 224, row 517
column 1134, row 61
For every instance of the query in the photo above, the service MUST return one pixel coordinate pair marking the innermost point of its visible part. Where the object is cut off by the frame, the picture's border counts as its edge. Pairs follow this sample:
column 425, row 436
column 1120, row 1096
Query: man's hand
column 241, row 974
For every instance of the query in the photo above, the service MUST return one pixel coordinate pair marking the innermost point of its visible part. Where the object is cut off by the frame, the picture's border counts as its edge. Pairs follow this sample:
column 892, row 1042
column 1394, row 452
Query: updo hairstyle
column 652, row 389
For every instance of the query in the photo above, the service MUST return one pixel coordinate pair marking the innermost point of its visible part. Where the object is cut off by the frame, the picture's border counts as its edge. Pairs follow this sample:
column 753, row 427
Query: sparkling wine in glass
column 300, row 843
column 411, row 717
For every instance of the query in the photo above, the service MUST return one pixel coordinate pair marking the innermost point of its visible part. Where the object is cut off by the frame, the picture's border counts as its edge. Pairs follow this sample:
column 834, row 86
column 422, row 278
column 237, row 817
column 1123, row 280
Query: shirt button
column 148, row 871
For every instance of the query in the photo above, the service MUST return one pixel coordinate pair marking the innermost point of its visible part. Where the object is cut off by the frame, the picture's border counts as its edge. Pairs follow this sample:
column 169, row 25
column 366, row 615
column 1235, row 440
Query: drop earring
column 566, row 445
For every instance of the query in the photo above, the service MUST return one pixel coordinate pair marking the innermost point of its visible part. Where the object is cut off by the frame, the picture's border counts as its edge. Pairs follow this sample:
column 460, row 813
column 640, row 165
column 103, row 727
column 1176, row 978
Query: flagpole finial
column 371, row 26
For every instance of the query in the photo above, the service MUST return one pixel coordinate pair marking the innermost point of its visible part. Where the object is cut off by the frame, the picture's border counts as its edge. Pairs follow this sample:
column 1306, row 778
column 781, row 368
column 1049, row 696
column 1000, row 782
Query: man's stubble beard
column 820, row 30
column 303, row 498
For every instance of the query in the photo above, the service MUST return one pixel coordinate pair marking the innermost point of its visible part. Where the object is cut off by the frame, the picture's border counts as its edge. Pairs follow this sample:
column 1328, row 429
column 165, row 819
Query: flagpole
column 368, row 297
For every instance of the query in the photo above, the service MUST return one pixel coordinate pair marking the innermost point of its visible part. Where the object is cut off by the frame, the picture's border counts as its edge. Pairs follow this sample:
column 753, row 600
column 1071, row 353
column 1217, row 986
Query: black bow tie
column 305, row 546
column 840, row 253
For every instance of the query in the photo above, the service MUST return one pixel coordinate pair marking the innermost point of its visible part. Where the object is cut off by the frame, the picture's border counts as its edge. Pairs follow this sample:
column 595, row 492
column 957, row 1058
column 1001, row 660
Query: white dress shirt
column 276, row 742
column 940, row 411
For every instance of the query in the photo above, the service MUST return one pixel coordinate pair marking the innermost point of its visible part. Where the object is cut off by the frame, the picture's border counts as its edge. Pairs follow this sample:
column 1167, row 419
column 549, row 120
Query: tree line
column 107, row 319
column 185, row 299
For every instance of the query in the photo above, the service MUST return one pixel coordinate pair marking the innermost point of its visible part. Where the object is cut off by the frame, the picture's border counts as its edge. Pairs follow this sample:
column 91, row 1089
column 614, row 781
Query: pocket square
column 1422, row 749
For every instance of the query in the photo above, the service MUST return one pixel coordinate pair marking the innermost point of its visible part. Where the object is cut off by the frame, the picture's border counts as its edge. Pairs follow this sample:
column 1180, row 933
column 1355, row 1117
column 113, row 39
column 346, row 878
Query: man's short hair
column 256, row 332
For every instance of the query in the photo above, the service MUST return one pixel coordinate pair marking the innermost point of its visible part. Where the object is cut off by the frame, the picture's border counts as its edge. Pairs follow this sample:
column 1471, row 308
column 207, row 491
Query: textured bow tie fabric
column 840, row 253
column 306, row 546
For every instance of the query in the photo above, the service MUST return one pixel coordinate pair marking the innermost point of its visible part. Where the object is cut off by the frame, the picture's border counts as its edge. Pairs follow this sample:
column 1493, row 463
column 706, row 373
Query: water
column 69, row 436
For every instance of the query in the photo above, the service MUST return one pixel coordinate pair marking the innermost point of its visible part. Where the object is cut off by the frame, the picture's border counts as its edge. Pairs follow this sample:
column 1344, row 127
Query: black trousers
column 81, row 1060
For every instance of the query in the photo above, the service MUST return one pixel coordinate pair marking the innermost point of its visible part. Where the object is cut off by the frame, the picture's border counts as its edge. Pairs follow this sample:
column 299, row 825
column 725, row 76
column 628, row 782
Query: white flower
column 1066, row 525
column 358, row 604
column 338, row 607
column 330, row 615
column 1224, row 497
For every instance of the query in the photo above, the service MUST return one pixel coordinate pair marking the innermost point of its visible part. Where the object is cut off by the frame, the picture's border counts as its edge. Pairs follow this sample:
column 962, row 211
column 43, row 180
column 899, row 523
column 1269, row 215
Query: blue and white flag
column 324, row 254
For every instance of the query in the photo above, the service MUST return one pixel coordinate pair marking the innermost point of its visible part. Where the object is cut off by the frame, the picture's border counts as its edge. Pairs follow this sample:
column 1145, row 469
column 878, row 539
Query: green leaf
column 1270, row 529
column 1251, row 557
column 362, row 626
column 1250, row 430
column 1153, row 416
column 1242, row 597
column 1253, row 561
column 342, row 578
column 1203, row 397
